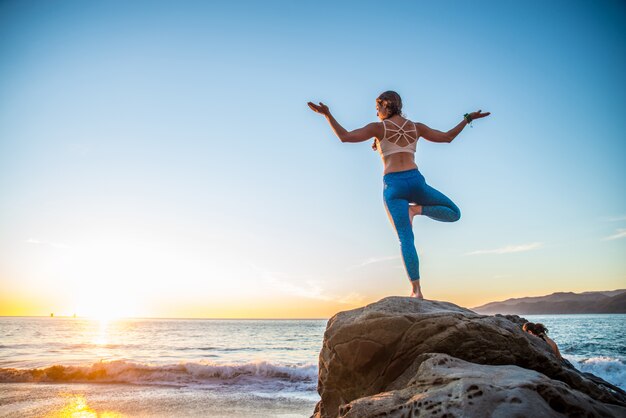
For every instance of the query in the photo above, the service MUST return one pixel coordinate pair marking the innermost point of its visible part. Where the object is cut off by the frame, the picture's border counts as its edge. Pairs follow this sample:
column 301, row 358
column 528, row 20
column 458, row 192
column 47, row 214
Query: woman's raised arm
column 358, row 135
column 434, row 135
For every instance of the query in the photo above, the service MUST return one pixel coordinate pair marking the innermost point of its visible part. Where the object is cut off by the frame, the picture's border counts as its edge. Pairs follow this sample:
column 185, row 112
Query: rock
column 513, row 318
column 448, row 387
column 380, row 348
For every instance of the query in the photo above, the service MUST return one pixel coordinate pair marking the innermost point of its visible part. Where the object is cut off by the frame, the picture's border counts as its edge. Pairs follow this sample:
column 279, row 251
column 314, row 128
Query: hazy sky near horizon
column 157, row 158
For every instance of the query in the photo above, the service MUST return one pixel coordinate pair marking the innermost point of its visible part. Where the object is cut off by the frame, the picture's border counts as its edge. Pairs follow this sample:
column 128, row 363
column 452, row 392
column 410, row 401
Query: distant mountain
column 613, row 301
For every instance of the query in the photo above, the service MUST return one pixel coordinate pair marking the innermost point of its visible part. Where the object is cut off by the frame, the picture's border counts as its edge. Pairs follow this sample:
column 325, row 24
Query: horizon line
column 151, row 317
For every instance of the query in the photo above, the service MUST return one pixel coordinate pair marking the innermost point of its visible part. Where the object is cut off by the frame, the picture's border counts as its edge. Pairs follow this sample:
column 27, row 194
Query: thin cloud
column 509, row 249
column 352, row 299
column 374, row 260
column 615, row 219
column 621, row 233
column 310, row 289
column 46, row 243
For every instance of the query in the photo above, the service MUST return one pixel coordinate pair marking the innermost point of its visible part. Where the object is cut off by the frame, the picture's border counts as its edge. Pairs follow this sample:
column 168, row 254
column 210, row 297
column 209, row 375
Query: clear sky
column 157, row 158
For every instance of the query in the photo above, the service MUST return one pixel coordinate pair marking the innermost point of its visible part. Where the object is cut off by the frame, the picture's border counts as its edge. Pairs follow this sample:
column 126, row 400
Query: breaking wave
column 611, row 369
column 182, row 374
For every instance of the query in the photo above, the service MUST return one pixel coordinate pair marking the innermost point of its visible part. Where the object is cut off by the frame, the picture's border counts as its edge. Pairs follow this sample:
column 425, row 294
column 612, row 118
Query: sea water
column 593, row 343
column 159, row 367
column 211, row 367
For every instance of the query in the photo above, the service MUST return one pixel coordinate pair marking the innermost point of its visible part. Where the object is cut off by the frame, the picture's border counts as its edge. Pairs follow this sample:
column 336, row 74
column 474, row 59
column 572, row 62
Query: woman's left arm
column 358, row 135
column 434, row 135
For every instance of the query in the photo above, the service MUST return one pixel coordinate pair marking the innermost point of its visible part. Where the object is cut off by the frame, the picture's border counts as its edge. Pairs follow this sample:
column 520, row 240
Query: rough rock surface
column 376, row 353
column 448, row 387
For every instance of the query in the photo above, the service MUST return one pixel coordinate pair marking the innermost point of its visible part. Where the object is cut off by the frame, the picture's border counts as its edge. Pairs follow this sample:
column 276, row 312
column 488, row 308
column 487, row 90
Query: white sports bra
column 399, row 139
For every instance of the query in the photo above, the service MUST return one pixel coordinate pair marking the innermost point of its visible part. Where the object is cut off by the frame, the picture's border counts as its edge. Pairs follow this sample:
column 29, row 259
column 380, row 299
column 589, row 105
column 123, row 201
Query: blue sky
column 161, row 156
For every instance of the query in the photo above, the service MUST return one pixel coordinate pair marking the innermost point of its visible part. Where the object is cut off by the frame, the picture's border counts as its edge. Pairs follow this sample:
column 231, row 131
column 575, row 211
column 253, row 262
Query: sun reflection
column 101, row 338
column 76, row 407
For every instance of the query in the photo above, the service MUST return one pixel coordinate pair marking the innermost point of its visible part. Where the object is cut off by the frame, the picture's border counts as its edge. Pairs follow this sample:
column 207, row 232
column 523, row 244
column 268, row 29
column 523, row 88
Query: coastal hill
column 405, row 357
column 605, row 302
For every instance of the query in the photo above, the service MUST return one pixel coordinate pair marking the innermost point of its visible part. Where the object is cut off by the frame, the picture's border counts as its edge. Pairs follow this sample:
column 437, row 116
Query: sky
column 158, row 158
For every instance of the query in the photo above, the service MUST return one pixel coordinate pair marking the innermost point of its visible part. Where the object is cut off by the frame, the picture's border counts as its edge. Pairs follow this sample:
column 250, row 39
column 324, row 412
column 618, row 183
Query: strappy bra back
column 397, row 139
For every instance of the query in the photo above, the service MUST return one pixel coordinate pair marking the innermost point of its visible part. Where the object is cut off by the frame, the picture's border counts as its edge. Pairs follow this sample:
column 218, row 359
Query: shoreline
column 52, row 399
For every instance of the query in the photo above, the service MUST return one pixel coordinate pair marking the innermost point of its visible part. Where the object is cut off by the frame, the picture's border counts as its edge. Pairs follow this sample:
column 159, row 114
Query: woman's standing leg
column 397, row 206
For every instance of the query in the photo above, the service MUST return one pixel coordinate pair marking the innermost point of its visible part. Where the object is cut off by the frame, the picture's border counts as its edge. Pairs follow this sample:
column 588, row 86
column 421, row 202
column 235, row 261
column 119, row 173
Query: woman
column 406, row 193
column 539, row 330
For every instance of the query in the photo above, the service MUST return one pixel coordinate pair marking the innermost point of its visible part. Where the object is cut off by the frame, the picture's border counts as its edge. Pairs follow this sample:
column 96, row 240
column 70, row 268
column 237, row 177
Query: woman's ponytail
column 392, row 103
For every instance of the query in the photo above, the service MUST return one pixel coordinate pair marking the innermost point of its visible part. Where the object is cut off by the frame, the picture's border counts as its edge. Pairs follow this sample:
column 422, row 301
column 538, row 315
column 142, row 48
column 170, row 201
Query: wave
column 611, row 369
column 304, row 377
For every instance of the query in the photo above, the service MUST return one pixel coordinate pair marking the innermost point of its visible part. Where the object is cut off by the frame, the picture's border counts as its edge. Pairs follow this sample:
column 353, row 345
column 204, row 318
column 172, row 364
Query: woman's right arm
column 358, row 135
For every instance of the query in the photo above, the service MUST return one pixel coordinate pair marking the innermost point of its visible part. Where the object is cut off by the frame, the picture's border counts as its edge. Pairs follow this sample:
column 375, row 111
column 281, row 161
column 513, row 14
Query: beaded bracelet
column 468, row 119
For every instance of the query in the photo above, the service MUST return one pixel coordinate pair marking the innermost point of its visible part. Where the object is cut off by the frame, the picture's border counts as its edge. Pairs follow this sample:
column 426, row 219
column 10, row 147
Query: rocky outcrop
column 406, row 357
column 447, row 386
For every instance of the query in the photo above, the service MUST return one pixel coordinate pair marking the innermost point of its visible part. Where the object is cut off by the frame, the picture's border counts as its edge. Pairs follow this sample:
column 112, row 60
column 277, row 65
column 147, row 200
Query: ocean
column 58, row 367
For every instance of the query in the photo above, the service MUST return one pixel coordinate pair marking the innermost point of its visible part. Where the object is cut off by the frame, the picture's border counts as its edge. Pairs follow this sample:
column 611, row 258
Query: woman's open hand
column 321, row 108
column 478, row 115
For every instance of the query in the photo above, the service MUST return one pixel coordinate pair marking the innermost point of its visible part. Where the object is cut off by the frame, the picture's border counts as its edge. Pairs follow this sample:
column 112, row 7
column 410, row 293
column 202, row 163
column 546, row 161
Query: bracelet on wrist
column 468, row 119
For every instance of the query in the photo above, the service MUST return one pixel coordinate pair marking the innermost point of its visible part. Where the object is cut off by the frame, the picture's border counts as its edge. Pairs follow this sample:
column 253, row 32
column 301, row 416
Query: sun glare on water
column 77, row 406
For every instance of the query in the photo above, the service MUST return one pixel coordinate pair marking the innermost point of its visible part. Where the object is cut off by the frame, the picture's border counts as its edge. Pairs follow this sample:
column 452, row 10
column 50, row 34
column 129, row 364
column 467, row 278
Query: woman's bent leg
column 437, row 206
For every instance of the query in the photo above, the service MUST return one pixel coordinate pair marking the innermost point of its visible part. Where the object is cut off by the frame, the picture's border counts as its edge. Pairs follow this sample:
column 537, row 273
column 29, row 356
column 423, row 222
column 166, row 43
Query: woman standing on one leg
column 406, row 193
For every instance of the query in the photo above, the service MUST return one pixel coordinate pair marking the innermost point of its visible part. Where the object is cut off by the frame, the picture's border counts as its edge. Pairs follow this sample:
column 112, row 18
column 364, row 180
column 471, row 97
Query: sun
column 107, row 305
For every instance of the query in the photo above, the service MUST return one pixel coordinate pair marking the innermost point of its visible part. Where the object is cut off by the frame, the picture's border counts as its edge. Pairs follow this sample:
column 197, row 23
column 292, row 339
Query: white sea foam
column 304, row 377
column 611, row 369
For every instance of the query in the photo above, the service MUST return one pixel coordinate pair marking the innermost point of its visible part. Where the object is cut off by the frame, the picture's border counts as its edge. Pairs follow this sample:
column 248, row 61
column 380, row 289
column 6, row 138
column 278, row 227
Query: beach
column 117, row 400
column 210, row 367
column 153, row 367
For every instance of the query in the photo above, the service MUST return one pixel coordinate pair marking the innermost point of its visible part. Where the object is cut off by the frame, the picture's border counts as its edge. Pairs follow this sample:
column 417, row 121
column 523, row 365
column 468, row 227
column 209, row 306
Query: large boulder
column 380, row 348
column 447, row 386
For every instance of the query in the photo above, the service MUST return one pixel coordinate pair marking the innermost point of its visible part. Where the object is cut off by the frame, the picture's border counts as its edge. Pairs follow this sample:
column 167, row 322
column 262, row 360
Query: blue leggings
column 402, row 188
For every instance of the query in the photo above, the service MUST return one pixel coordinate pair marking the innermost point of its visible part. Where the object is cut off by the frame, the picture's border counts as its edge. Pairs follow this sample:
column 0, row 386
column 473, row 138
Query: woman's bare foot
column 414, row 210
column 417, row 291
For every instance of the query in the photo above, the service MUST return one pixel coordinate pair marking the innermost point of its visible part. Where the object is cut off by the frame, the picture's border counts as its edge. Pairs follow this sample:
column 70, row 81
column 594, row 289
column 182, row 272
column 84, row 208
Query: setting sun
column 106, row 303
